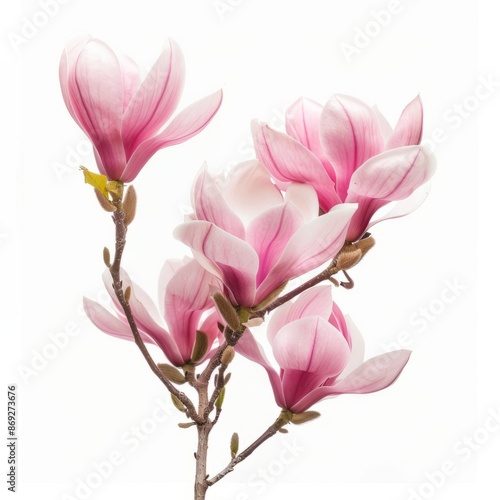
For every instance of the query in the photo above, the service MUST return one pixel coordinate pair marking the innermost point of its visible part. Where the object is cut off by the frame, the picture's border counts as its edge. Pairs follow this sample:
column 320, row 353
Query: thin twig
column 271, row 431
column 322, row 276
column 120, row 240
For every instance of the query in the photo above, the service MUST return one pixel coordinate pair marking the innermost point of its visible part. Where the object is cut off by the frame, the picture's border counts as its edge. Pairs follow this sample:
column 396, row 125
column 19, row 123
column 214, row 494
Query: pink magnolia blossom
column 185, row 304
column 348, row 152
column 122, row 116
column 255, row 239
column 316, row 354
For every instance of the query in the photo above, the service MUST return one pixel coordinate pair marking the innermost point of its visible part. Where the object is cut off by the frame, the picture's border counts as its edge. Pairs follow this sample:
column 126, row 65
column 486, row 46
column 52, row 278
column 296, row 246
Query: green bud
column 177, row 403
column 220, row 399
column 172, row 373
column 235, row 443
column 305, row 416
column 200, row 347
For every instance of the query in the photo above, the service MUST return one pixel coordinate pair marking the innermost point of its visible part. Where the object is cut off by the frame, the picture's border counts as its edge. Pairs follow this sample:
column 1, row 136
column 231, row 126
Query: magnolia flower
column 317, row 357
column 122, row 116
column 348, row 152
column 255, row 239
column 185, row 303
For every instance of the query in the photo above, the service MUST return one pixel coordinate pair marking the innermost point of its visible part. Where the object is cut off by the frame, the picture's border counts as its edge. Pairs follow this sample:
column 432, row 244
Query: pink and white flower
column 254, row 238
column 185, row 303
column 123, row 117
column 317, row 355
column 348, row 152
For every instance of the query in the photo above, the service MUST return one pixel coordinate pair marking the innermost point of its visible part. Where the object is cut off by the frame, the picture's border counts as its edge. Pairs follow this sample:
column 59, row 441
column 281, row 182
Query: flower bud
column 177, row 403
column 348, row 258
column 227, row 355
column 305, row 416
column 172, row 373
column 129, row 205
column 220, row 399
column 104, row 202
column 227, row 311
column 200, row 347
column 106, row 256
column 127, row 294
column 270, row 298
column 186, row 425
column 235, row 443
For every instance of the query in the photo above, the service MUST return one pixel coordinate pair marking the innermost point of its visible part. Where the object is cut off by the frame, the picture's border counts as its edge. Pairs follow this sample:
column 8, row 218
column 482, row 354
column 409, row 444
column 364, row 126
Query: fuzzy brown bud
column 305, row 416
column 127, row 294
column 348, row 259
column 227, row 355
column 227, row 311
column 106, row 256
column 172, row 373
column 270, row 298
column 200, row 347
column 104, row 202
column 186, row 425
column 129, row 205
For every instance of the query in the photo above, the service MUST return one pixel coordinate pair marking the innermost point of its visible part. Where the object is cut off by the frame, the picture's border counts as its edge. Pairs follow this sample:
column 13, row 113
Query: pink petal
column 316, row 301
column 309, row 350
column 287, row 160
column 185, row 125
column 313, row 345
column 146, row 317
column 373, row 375
column 408, row 131
column 406, row 206
column 67, row 68
column 97, row 98
column 156, row 99
column 108, row 323
column 312, row 245
column 350, row 134
column 210, row 205
column 302, row 123
column 167, row 272
column 249, row 191
column 385, row 126
column 186, row 298
column 304, row 197
column 131, row 79
column 270, row 232
column 247, row 346
column 236, row 261
column 393, row 175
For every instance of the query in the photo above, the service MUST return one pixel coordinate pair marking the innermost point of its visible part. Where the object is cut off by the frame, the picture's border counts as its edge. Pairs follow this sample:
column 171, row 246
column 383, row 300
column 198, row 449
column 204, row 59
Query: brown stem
column 201, row 484
column 322, row 276
column 114, row 269
column 271, row 431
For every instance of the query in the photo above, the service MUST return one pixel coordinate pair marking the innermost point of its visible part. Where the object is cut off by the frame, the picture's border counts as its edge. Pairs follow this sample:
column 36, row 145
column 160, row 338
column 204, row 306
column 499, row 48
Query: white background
column 80, row 402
